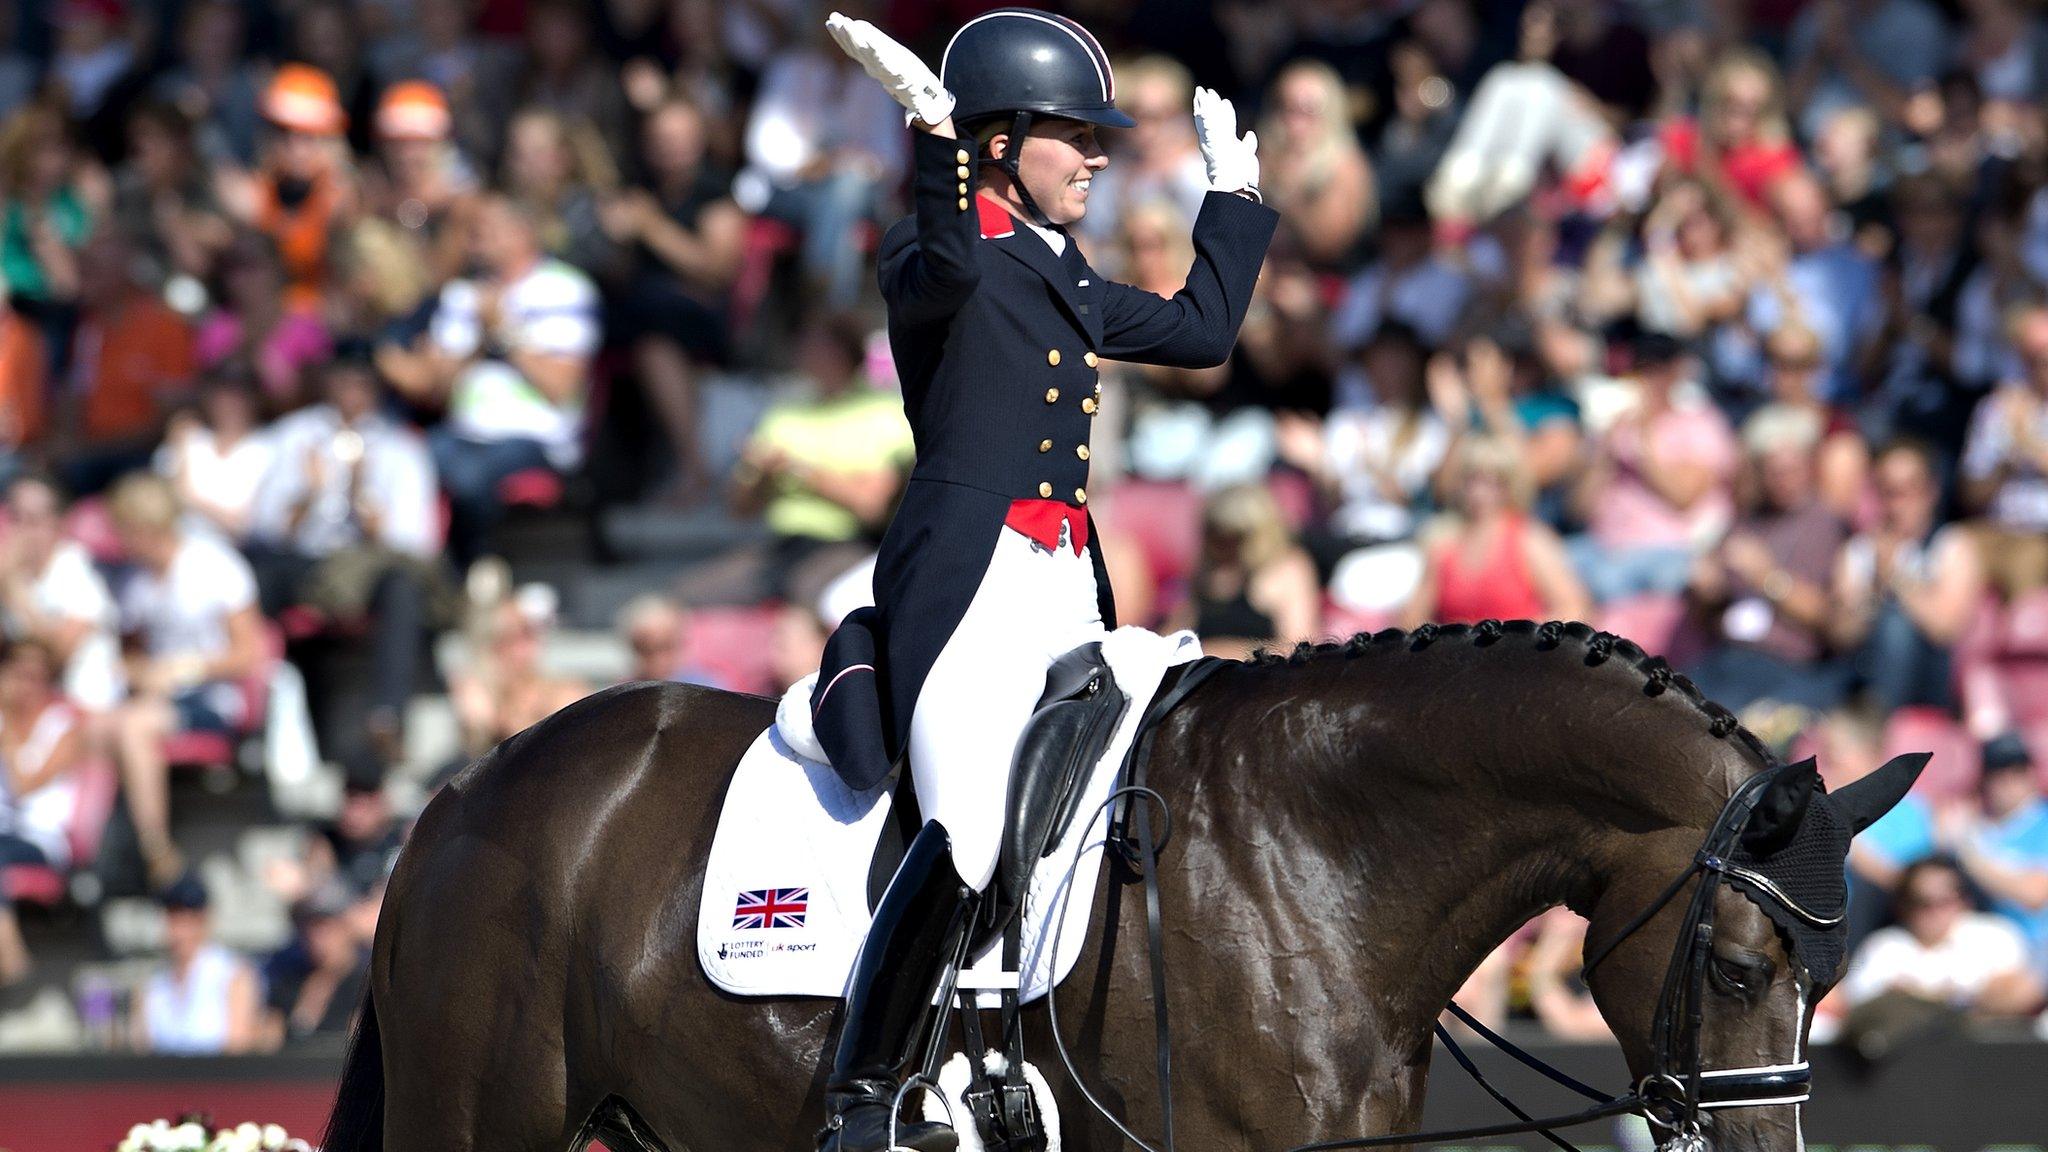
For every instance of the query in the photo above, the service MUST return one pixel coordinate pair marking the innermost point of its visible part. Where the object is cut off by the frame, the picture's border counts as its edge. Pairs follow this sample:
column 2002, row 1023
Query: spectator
column 503, row 689
column 559, row 169
column 164, row 203
column 2001, row 842
column 423, row 184
column 1851, row 746
column 215, row 83
column 191, row 607
column 1659, row 485
column 344, row 522
column 323, row 35
column 656, row 631
column 823, row 143
column 1557, row 990
column 94, row 54
column 206, row 1001
column 1941, row 951
column 823, row 472
column 1413, row 281
column 305, row 189
column 1687, row 282
column 1489, row 559
column 23, row 378
column 1253, row 585
column 563, row 74
column 1375, row 464
column 46, row 214
column 18, row 70
column 217, row 456
column 1313, row 171
column 316, row 983
column 1842, row 458
column 257, row 330
column 1741, row 142
column 1158, row 158
column 1766, row 583
column 42, row 742
column 1876, row 52
column 509, row 356
column 383, row 289
column 1907, row 588
column 53, row 597
column 133, row 368
column 796, row 647
column 686, row 237
column 1809, row 276
column 2005, row 464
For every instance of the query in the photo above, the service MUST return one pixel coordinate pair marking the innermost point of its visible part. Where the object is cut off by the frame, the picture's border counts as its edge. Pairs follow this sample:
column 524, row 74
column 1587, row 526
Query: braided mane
column 1594, row 648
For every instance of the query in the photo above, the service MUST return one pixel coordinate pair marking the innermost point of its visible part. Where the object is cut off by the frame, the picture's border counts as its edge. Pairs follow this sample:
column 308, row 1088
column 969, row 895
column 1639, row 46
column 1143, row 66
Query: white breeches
column 1032, row 607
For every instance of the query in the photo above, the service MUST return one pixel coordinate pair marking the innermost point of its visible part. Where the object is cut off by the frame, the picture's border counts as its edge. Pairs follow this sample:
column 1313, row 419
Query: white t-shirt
column 1359, row 445
column 70, row 588
column 227, row 479
column 552, row 309
column 1980, row 947
column 185, row 611
column 190, row 1017
column 43, row 817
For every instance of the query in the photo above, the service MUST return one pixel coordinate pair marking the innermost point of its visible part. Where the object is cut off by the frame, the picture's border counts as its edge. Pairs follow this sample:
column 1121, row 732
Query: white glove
column 906, row 77
column 1233, row 163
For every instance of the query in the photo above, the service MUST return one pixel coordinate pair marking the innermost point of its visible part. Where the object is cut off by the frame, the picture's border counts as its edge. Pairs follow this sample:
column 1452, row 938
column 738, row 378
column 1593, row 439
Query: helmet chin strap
column 1020, row 123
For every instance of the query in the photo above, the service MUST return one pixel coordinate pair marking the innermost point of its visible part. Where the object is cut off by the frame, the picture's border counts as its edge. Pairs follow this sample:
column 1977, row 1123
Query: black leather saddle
column 1077, row 714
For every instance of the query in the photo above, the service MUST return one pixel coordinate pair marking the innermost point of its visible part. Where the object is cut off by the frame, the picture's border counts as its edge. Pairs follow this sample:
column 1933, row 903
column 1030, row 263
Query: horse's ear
column 1775, row 819
column 1863, row 802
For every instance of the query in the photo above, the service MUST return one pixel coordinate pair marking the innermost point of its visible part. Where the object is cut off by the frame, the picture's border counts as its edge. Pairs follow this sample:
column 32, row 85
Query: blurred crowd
column 1723, row 326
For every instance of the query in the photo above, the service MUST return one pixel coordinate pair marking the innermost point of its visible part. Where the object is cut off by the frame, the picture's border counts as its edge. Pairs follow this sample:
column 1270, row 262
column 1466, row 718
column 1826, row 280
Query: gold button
column 963, row 172
column 1088, row 405
column 963, row 187
column 961, row 157
column 1081, row 450
column 1052, row 357
column 1044, row 489
column 1052, row 395
column 963, row 203
column 1088, row 358
column 1080, row 495
column 1045, row 445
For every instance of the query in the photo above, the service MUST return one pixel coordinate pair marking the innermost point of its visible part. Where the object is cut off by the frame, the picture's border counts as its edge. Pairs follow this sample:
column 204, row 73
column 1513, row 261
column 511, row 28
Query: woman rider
column 987, row 573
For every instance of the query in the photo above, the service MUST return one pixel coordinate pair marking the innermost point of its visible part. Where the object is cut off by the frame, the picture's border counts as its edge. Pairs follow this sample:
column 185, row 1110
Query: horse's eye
column 1734, row 978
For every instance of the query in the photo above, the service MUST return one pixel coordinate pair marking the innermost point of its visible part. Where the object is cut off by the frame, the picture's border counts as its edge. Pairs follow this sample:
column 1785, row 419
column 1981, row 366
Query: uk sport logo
column 771, row 908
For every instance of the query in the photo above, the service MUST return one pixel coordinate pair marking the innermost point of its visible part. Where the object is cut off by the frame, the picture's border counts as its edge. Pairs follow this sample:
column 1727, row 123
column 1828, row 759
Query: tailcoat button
column 961, row 156
column 1088, row 358
column 963, row 171
column 1088, row 405
column 1052, row 357
column 1080, row 495
column 1044, row 489
column 1052, row 395
column 963, row 203
column 1045, row 445
column 1081, row 450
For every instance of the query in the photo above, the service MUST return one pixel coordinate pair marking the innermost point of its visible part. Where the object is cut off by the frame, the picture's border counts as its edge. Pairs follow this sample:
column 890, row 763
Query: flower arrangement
column 191, row 1135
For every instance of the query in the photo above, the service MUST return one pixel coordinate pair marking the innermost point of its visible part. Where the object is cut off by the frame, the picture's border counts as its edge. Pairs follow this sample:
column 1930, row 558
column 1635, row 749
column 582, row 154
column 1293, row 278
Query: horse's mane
column 1594, row 649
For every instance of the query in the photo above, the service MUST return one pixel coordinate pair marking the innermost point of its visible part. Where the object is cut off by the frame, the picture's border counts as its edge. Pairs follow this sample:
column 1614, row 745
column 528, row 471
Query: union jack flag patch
column 772, row 908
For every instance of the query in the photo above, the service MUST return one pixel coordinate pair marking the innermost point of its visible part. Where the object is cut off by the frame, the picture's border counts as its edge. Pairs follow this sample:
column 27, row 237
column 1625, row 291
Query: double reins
column 1671, row 1097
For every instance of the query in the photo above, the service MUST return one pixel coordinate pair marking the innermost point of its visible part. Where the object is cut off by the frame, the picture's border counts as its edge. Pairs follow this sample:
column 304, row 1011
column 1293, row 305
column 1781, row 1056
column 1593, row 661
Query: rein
column 1670, row 1097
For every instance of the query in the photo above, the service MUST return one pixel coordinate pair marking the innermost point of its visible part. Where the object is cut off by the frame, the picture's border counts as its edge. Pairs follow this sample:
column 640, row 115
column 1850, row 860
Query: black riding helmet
column 1022, row 64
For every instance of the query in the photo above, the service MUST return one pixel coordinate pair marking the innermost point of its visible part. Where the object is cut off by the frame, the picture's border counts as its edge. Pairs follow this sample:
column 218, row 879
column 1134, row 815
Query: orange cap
column 303, row 99
column 413, row 110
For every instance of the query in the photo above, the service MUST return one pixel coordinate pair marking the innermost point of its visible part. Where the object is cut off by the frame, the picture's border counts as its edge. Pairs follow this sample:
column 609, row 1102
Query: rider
column 987, row 573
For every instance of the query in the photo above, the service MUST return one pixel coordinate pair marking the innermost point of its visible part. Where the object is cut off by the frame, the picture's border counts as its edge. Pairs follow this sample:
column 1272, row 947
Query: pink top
column 298, row 341
column 1630, row 514
column 1499, row 586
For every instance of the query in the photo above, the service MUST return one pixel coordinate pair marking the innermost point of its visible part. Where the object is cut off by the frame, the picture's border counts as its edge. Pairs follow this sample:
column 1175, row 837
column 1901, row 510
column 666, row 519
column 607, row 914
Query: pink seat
column 1341, row 622
column 1654, row 622
column 33, row 884
column 1166, row 520
column 1953, row 770
column 2023, row 628
column 535, row 488
column 736, row 644
column 98, row 787
column 204, row 749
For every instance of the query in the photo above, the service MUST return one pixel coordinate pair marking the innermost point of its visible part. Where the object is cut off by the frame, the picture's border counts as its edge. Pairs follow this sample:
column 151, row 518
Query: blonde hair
column 387, row 259
column 1154, row 68
column 1165, row 216
column 144, row 502
column 1736, row 62
column 1334, row 136
column 1249, row 512
column 23, row 137
column 1495, row 457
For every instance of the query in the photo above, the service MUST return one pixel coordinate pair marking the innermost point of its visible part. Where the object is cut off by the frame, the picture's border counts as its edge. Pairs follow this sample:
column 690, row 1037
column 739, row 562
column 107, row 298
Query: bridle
column 1675, row 1091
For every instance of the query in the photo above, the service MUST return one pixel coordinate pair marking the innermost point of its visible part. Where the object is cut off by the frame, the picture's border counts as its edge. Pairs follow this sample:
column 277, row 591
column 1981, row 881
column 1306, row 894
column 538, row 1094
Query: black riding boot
column 916, row 933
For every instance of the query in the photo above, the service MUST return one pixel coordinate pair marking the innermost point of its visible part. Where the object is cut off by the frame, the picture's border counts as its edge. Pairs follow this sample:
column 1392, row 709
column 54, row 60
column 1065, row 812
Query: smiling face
column 1056, row 165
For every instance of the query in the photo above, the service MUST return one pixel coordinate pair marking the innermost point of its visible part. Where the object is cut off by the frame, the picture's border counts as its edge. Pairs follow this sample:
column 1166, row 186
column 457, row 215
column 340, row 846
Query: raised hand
column 1233, row 162
column 908, row 79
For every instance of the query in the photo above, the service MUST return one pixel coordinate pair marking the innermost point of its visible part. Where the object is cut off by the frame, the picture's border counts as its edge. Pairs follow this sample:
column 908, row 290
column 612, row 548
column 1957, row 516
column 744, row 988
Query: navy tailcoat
column 997, row 340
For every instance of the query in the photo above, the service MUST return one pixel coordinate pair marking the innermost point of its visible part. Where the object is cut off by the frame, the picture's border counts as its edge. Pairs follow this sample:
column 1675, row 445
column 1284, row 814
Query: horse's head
column 1714, row 965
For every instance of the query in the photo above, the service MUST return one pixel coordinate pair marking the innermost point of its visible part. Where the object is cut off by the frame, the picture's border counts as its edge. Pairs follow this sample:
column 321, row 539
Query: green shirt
column 18, row 267
column 860, row 431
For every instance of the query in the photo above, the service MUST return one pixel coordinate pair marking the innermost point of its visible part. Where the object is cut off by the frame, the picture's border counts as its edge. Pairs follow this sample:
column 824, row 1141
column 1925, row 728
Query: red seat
column 1953, row 770
column 735, row 644
column 536, row 488
column 98, row 787
column 2002, row 665
column 204, row 749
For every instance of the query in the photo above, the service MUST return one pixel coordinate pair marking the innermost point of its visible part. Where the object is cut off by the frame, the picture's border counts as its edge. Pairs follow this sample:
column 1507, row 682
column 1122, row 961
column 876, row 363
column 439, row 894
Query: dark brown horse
column 1356, row 826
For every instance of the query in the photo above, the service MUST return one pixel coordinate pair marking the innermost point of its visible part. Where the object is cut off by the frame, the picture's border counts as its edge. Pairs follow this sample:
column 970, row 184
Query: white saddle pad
column 785, row 903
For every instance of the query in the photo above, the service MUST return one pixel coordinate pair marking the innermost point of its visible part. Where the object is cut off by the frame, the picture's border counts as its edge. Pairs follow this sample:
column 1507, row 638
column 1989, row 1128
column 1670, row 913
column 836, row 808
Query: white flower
column 189, row 1136
column 273, row 1136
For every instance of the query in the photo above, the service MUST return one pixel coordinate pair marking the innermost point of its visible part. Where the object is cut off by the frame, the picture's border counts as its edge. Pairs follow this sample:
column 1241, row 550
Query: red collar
column 1041, row 520
column 996, row 221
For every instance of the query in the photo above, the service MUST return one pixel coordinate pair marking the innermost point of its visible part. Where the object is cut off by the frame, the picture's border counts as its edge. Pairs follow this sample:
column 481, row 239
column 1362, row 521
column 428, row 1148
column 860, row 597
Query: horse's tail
column 357, row 1123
